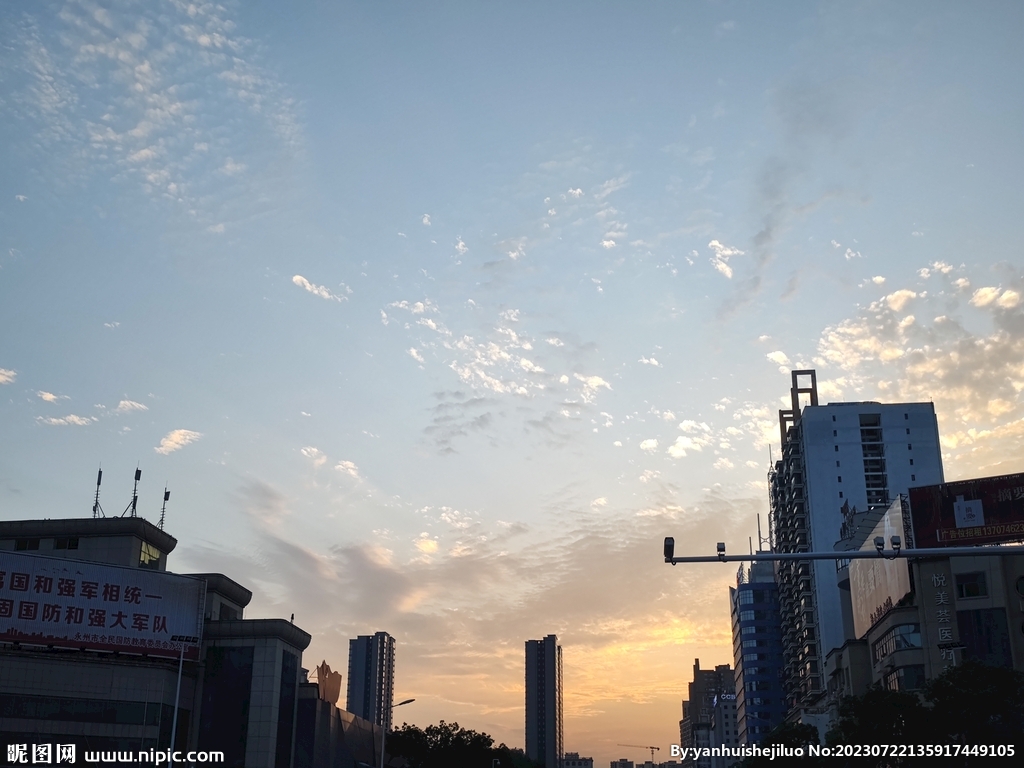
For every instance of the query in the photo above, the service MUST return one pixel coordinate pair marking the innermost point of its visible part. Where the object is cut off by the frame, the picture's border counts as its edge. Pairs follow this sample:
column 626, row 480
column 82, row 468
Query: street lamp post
column 384, row 729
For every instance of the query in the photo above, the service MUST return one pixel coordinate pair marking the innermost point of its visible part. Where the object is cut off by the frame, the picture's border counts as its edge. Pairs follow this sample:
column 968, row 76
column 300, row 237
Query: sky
column 436, row 318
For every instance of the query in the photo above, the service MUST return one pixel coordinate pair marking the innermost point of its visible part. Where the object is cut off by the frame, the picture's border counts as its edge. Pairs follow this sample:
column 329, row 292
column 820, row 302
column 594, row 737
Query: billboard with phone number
column 986, row 510
column 76, row 604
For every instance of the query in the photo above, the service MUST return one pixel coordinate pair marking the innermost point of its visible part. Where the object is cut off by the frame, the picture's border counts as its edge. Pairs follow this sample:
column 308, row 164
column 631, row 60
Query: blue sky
column 436, row 318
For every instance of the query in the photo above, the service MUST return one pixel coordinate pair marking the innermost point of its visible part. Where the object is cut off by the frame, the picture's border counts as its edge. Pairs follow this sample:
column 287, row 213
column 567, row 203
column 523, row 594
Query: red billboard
column 77, row 604
column 986, row 510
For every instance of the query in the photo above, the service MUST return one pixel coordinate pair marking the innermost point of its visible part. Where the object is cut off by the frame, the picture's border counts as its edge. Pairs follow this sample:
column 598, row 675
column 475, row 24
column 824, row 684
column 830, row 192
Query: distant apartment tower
column 861, row 454
column 757, row 644
column 544, row 701
column 371, row 677
column 695, row 729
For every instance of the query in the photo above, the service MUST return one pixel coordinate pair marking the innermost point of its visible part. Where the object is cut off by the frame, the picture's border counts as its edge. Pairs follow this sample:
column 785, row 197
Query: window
column 149, row 557
column 66, row 543
column 908, row 430
column 911, row 462
column 898, row 638
column 840, row 494
column 26, row 544
column 910, row 447
column 833, row 417
column 746, row 615
column 752, row 630
column 840, row 477
column 837, row 449
column 913, row 477
column 837, row 462
column 835, row 433
column 909, row 678
column 906, row 415
column 746, row 597
column 971, row 585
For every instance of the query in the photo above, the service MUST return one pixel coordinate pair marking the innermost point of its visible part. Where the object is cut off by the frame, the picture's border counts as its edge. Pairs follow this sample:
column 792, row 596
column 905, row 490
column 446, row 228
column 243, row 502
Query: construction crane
column 642, row 746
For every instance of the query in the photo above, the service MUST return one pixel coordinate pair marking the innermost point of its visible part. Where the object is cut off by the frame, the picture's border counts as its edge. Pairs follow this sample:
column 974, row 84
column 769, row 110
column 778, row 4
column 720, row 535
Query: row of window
column 63, row 542
column 898, row 638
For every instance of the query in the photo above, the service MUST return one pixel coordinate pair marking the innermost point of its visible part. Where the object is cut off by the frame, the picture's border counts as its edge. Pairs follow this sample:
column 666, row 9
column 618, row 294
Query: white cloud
column 317, row 290
column 778, row 357
column 177, row 439
column 899, row 299
column 577, row 193
column 668, row 416
column 50, row 397
column 526, row 365
column 114, row 324
column 984, row 296
column 426, row 219
column 460, row 247
column 130, row 405
column 648, row 475
column 1009, row 299
column 348, row 468
column 851, row 254
column 590, row 386
column 723, row 253
column 650, row 445
column 7, row 377
column 555, row 342
column 315, row 455
column 232, row 168
column 609, row 186
column 70, row 419
column 935, row 268
column 649, row 361
column 415, row 354
column 878, row 280
column 685, row 443
column 217, row 229
column 723, row 463
column 20, row 198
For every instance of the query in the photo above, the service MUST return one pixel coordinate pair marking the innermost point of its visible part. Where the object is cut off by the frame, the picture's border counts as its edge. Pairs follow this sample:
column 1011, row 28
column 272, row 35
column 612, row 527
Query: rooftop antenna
column 97, row 510
column 133, row 506
column 163, row 509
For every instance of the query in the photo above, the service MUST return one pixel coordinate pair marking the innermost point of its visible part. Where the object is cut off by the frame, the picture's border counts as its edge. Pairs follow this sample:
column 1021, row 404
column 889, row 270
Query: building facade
column 114, row 685
column 544, row 701
column 695, row 729
column 371, row 677
column 573, row 760
column 757, row 646
column 862, row 454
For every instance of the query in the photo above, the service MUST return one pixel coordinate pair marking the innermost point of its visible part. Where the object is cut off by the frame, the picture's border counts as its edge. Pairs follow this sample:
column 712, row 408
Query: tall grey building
column 371, row 677
column 544, row 701
column 858, row 454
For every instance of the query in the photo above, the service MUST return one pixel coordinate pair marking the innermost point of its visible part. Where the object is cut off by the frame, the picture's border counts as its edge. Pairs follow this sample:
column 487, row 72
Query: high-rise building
column 695, row 727
column 544, row 701
column 862, row 454
column 371, row 677
column 757, row 643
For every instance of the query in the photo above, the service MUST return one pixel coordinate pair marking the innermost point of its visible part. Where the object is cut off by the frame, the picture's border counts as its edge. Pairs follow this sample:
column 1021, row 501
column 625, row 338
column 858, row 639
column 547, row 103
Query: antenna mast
column 133, row 506
column 163, row 509
column 97, row 510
